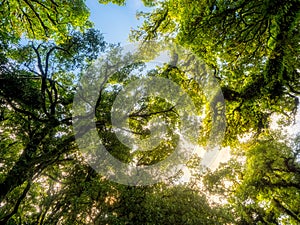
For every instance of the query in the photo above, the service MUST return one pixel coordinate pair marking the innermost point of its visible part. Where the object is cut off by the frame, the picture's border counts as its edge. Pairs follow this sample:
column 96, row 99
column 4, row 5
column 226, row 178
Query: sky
column 114, row 21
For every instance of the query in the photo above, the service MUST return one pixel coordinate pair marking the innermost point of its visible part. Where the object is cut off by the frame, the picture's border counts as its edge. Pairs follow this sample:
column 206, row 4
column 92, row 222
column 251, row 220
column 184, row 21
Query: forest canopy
column 251, row 50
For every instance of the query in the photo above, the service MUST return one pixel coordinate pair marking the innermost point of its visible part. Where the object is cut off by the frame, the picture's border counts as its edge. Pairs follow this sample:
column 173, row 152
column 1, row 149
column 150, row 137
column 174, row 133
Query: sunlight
column 207, row 133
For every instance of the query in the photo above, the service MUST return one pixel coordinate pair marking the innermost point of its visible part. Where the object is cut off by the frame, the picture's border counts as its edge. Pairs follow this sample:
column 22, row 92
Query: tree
column 263, row 187
column 46, row 180
column 252, row 45
column 253, row 48
column 163, row 204
column 35, row 105
column 42, row 20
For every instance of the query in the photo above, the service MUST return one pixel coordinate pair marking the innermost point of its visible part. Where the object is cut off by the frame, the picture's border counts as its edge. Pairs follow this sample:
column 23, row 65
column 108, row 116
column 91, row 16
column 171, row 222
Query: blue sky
column 115, row 21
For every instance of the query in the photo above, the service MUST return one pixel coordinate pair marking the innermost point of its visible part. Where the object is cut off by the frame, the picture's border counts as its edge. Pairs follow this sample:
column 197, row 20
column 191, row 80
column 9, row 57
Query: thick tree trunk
column 22, row 170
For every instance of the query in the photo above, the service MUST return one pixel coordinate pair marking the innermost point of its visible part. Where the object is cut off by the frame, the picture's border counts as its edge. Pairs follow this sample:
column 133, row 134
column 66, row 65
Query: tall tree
column 262, row 184
column 37, row 88
column 44, row 20
column 252, row 45
column 46, row 180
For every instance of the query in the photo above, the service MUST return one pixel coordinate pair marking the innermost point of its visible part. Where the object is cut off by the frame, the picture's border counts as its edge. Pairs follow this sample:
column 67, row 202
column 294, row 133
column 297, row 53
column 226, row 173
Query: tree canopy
column 42, row 19
column 252, row 49
column 252, row 45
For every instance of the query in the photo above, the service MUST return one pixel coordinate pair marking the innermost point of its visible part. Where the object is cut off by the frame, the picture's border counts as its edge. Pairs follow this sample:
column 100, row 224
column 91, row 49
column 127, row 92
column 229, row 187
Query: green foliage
column 62, row 187
column 37, row 88
column 262, row 188
column 251, row 45
column 42, row 20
